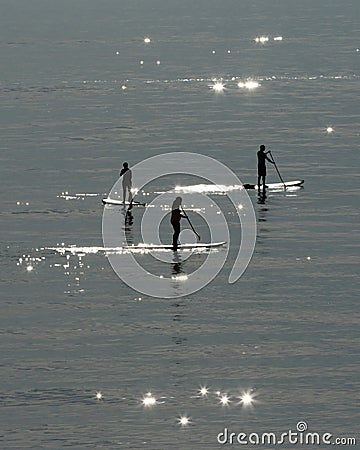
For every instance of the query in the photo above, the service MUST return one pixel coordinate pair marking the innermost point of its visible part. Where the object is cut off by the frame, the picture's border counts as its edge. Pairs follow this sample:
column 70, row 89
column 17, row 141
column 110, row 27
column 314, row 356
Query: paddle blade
column 131, row 205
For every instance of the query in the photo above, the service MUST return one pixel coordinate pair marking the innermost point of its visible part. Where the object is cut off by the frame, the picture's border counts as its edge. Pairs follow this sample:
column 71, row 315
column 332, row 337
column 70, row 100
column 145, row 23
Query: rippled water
column 76, row 101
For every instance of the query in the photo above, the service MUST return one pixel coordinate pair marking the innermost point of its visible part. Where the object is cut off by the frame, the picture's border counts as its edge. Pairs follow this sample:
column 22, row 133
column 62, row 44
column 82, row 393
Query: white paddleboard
column 73, row 249
column 111, row 201
column 288, row 184
column 169, row 246
column 220, row 188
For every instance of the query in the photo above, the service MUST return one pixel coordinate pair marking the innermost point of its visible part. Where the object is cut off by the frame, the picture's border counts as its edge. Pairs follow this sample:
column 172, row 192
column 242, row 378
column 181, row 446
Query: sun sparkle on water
column 184, row 421
column 203, row 391
column 261, row 39
column 224, row 400
column 248, row 84
column 218, row 87
column 179, row 277
column 247, row 399
column 149, row 400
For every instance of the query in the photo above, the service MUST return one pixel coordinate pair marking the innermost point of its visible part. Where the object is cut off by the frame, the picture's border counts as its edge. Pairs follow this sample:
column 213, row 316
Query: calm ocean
column 81, row 92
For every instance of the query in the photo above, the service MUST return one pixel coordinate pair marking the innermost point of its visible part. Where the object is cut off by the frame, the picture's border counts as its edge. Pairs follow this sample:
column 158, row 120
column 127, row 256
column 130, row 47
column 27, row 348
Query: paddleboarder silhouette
column 262, row 158
column 126, row 182
column 176, row 216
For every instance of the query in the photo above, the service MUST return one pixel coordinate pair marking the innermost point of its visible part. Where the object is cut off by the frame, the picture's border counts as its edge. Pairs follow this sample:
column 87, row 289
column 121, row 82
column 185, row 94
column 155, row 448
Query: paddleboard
column 222, row 188
column 110, row 201
column 288, row 184
column 73, row 249
column 169, row 246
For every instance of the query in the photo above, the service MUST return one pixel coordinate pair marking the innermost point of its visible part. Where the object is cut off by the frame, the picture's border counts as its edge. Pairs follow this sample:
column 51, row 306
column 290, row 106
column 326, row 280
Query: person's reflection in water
column 262, row 214
column 129, row 220
column 177, row 271
column 177, row 266
column 262, row 198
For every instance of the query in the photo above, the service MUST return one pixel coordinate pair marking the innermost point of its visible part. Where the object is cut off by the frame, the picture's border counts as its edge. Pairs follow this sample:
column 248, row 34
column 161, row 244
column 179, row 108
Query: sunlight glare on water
column 218, row 86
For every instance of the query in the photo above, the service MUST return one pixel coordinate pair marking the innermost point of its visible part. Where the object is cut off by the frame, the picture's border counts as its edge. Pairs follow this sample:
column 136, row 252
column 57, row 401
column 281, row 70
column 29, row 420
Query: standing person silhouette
column 175, row 221
column 126, row 182
column 262, row 158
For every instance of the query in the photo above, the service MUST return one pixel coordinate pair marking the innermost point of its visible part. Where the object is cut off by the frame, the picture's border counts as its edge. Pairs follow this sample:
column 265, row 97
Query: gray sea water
column 81, row 92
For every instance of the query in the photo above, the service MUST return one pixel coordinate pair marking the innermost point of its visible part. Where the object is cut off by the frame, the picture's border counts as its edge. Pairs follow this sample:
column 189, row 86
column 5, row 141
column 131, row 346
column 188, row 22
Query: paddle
column 277, row 170
column 131, row 204
column 197, row 234
column 132, row 201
